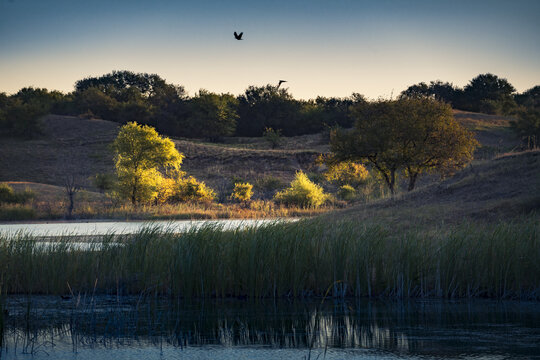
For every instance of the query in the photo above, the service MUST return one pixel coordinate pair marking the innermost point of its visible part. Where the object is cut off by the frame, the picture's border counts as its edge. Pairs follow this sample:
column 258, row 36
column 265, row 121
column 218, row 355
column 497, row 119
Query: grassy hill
column 70, row 145
column 505, row 187
column 80, row 147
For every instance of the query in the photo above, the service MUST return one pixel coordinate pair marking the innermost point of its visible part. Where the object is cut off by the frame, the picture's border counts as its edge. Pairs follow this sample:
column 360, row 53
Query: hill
column 505, row 187
column 79, row 147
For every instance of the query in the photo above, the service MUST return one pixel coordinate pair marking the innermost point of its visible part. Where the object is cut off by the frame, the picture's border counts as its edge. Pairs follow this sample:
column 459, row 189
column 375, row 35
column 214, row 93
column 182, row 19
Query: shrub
column 242, row 192
column 9, row 196
column 6, row 193
column 273, row 137
column 166, row 190
column 17, row 212
column 302, row 192
column 527, row 126
column 347, row 173
column 103, row 182
column 347, row 192
column 189, row 189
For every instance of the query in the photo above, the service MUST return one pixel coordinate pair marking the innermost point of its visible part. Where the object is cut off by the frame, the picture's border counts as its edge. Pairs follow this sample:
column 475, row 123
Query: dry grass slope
column 506, row 187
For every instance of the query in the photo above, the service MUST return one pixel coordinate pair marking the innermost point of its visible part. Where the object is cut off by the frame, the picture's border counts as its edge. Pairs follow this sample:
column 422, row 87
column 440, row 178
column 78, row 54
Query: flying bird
column 280, row 82
column 238, row 36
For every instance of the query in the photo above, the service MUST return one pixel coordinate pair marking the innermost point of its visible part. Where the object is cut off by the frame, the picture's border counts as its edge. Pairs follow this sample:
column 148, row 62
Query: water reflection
column 38, row 326
column 81, row 228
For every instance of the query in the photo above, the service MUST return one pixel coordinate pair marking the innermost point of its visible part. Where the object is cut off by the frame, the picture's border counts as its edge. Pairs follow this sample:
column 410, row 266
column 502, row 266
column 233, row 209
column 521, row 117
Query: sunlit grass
column 180, row 211
column 304, row 259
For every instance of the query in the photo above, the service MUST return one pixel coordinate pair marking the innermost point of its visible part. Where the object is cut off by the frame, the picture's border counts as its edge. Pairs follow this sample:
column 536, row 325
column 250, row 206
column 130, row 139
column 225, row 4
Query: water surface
column 105, row 327
column 58, row 228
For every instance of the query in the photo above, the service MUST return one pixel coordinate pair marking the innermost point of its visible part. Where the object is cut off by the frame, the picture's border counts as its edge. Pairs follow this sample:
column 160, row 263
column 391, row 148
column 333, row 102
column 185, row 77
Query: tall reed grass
column 95, row 210
column 305, row 259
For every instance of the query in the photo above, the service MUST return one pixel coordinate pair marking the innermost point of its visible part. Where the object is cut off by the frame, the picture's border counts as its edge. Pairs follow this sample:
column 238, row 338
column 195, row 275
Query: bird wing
column 235, row 34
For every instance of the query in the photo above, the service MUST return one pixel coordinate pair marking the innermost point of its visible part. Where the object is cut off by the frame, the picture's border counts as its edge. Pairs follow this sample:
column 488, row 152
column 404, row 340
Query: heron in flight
column 238, row 36
column 280, row 82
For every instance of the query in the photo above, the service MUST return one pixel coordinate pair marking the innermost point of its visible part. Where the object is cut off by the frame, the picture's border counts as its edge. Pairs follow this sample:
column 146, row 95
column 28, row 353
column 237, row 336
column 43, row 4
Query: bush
column 242, row 192
column 527, row 126
column 189, row 189
column 17, row 212
column 8, row 196
column 104, row 182
column 273, row 137
column 347, row 173
column 347, row 193
column 6, row 193
column 302, row 193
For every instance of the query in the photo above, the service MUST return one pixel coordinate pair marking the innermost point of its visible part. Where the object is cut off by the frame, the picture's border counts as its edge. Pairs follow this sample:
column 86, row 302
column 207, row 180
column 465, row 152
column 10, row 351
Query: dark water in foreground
column 42, row 327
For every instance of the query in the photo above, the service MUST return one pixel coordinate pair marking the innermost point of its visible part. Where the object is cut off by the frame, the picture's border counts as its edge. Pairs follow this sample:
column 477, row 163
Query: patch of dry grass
column 488, row 190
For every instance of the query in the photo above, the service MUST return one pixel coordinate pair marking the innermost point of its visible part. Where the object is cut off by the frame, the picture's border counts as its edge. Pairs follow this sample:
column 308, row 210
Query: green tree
column 98, row 103
column 212, row 116
column 527, row 126
column 438, row 90
column 266, row 106
column 20, row 119
column 488, row 92
column 529, row 99
column 408, row 135
column 142, row 157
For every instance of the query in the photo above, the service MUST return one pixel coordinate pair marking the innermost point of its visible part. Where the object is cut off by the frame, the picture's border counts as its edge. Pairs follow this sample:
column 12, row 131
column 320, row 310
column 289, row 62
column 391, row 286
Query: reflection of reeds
column 286, row 260
column 41, row 322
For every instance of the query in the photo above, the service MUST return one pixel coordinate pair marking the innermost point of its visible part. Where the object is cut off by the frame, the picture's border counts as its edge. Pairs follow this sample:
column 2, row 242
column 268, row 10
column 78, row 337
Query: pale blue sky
column 329, row 48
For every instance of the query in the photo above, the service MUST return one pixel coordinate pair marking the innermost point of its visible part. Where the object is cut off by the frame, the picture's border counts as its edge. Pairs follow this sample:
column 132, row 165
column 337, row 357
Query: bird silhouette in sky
column 238, row 36
column 280, row 82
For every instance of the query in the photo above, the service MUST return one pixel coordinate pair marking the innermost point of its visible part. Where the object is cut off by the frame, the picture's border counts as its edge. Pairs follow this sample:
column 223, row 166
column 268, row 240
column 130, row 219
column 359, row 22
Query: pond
column 76, row 228
column 146, row 327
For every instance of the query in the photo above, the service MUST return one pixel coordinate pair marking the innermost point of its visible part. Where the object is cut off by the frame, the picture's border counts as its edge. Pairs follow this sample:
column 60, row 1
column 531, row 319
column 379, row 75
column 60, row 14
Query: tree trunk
column 412, row 180
column 71, row 204
column 392, row 182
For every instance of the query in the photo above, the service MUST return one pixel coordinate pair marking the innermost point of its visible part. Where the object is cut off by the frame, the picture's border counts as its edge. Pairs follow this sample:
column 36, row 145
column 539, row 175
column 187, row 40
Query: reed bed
column 309, row 258
column 96, row 210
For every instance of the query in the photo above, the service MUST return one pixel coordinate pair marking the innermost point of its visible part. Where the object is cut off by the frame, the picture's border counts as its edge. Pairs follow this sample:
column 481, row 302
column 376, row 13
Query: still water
column 123, row 227
column 145, row 327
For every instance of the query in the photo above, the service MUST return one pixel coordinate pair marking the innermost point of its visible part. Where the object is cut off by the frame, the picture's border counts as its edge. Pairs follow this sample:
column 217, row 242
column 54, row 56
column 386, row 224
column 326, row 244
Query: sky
column 326, row 48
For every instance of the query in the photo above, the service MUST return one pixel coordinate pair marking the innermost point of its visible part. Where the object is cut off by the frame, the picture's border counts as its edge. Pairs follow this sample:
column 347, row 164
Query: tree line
column 124, row 96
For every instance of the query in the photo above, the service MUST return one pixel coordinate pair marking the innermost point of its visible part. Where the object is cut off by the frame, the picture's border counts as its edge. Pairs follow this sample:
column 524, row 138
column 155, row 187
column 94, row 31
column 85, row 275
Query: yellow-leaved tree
column 142, row 158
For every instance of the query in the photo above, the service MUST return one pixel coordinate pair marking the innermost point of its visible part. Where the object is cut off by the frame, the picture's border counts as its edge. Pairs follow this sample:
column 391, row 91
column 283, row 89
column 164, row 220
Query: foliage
column 347, row 173
column 116, row 81
column 242, row 192
column 190, row 190
column 438, row 90
column 19, row 118
column 211, row 115
column 141, row 159
column 529, row 99
column 9, row 196
column 527, row 126
column 17, row 212
column 273, row 137
column 413, row 135
column 346, row 192
column 104, row 182
column 98, row 103
column 266, row 106
column 302, row 192
column 6, row 193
